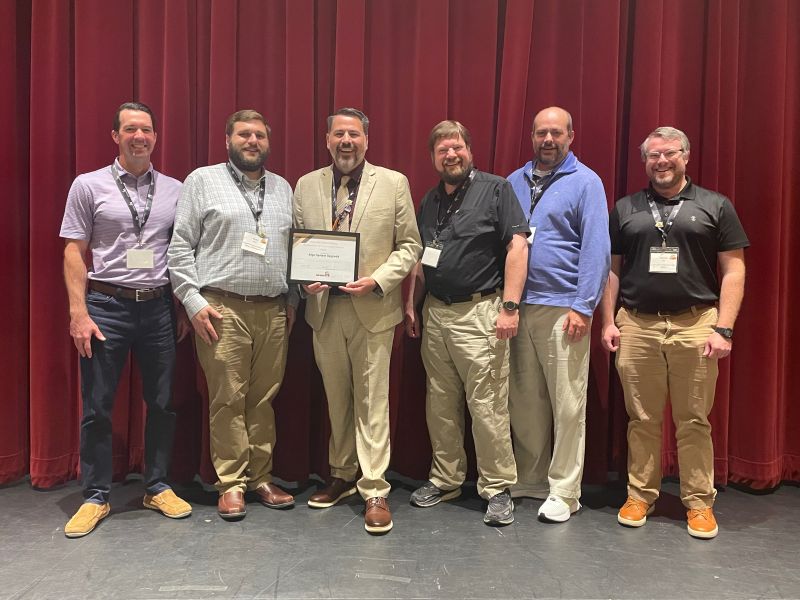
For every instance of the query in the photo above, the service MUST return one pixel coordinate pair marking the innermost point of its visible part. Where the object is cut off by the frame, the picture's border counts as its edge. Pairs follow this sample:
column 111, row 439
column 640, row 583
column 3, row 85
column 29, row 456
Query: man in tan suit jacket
column 354, row 324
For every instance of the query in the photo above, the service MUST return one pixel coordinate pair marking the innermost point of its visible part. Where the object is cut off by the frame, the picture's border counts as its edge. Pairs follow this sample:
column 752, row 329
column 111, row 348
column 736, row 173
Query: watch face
column 510, row 305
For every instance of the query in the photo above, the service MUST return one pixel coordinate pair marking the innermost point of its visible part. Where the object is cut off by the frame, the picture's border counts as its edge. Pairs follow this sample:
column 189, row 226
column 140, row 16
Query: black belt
column 118, row 291
column 335, row 291
column 694, row 309
column 465, row 297
column 243, row 298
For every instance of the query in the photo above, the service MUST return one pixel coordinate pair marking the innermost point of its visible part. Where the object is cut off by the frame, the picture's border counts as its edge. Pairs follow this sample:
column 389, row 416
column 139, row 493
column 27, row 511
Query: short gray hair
column 667, row 133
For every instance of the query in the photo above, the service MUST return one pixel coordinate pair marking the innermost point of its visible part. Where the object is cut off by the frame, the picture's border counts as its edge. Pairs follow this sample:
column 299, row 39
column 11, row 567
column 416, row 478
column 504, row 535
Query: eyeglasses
column 668, row 154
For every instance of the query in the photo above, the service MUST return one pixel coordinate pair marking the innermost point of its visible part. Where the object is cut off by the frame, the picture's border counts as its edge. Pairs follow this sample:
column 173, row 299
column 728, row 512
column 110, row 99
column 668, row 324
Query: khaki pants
column 462, row 356
column 244, row 370
column 355, row 371
column 548, row 393
column 661, row 357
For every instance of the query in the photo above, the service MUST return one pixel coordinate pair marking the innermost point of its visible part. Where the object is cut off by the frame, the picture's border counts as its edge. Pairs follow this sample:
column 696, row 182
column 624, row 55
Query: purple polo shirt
column 97, row 213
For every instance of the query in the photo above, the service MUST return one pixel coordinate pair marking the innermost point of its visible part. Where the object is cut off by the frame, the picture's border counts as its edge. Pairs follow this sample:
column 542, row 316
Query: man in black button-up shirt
column 474, row 267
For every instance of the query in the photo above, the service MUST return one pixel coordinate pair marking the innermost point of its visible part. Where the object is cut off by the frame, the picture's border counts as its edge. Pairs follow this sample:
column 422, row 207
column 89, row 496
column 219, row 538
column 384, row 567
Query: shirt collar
column 122, row 172
column 240, row 174
column 687, row 193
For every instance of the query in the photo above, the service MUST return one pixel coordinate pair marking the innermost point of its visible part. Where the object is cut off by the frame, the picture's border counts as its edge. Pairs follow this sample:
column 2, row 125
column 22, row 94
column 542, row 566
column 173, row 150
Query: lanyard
column 257, row 208
column 454, row 206
column 538, row 188
column 348, row 206
column 662, row 228
column 138, row 222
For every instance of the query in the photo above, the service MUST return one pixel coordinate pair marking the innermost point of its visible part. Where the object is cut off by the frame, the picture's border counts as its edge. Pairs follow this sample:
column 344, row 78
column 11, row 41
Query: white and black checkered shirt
column 210, row 222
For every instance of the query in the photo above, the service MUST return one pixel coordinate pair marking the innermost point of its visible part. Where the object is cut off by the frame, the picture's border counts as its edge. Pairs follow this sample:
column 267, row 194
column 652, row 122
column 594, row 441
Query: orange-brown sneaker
column 634, row 512
column 86, row 519
column 701, row 523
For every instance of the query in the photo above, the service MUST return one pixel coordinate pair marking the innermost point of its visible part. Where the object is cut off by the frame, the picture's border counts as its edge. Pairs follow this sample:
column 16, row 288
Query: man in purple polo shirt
column 123, row 213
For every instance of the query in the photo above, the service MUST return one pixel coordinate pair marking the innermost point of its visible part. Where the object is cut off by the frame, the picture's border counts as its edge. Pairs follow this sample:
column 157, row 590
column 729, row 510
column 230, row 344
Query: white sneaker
column 557, row 509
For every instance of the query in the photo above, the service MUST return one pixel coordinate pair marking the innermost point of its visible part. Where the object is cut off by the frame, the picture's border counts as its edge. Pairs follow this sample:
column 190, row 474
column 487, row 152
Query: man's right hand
column 413, row 323
column 203, row 327
column 82, row 328
column 611, row 338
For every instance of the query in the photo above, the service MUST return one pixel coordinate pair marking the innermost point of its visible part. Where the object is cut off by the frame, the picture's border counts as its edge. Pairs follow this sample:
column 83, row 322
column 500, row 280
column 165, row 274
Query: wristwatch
column 725, row 332
column 510, row 305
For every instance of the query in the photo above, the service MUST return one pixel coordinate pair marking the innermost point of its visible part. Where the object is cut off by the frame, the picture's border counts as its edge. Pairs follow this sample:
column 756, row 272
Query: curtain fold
column 724, row 71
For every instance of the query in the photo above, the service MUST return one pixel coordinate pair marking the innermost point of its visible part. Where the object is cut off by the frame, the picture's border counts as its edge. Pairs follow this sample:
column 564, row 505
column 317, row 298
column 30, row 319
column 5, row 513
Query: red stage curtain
column 724, row 71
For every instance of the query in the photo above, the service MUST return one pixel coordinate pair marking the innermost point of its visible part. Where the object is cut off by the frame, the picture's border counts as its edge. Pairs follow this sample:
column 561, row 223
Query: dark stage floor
column 440, row 552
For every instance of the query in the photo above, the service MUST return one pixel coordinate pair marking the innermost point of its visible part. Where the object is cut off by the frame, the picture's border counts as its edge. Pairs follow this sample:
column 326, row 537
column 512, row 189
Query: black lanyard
column 454, row 206
column 255, row 209
column 538, row 188
column 138, row 222
column 663, row 229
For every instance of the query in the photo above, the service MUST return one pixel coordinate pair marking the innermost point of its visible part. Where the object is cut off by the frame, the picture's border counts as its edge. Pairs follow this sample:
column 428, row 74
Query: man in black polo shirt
column 676, row 321
column 474, row 267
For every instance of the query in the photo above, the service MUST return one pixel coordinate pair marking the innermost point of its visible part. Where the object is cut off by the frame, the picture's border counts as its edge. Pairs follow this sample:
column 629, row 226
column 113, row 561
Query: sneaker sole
column 381, row 529
column 449, row 495
column 631, row 523
column 157, row 509
column 703, row 535
column 341, row 497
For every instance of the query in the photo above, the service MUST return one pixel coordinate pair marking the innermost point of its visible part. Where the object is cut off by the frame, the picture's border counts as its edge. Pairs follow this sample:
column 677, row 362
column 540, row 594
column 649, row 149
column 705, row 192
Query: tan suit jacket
column 390, row 244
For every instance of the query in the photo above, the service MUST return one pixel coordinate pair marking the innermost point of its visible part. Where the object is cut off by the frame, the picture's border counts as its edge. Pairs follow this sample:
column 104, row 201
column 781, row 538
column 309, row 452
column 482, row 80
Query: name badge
column 663, row 260
column 139, row 258
column 530, row 237
column 430, row 257
column 254, row 243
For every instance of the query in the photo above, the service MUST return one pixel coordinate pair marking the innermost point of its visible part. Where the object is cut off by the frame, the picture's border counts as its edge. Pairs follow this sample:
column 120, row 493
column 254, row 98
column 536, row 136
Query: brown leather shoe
column 272, row 496
column 634, row 512
column 377, row 518
column 701, row 523
column 336, row 490
column 231, row 506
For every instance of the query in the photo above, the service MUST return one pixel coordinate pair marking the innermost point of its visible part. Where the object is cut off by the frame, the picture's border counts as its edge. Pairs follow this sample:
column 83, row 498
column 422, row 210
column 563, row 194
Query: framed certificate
column 329, row 257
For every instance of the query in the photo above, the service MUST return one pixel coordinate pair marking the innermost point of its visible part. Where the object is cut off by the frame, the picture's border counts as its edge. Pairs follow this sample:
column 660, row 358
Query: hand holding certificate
column 327, row 257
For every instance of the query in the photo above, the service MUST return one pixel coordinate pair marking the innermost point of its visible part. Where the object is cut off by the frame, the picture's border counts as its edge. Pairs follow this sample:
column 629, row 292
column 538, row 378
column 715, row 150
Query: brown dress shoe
column 377, row 518
column 272, row 496
column 231, row 505
column 332, row 493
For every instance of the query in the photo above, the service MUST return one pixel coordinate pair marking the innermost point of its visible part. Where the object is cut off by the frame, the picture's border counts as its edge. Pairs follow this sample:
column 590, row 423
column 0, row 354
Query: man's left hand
column 507, row 323
column 359, row 287
column 576, row 326
column 717, row 346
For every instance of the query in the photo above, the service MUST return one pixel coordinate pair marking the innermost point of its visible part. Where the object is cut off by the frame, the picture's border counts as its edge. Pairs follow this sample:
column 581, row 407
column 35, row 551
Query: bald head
column 552, row 135
column 551, row 114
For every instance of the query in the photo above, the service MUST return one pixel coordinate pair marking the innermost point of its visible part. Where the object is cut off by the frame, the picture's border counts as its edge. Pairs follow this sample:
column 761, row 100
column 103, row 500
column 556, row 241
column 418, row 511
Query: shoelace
column 699, row 512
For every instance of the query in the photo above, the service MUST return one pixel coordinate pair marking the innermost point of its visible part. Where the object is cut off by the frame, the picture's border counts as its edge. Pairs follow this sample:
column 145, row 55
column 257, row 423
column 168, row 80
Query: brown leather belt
column 118, row 291
column 243, row 298
column 694, row 309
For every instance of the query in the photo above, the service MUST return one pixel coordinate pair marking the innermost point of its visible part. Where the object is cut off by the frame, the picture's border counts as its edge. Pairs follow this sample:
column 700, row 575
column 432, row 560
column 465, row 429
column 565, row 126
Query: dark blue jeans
column 147, row 328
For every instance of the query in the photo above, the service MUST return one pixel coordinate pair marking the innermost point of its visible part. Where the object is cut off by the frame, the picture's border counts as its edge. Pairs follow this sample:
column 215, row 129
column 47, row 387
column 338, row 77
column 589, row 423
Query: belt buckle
column 140, row 294
column 665, row 313
column 448, row 300
column 245, row 298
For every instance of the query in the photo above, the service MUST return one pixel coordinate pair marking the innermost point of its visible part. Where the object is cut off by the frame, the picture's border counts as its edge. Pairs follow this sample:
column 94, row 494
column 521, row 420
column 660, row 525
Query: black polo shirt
column 706, row 224
column 474, row 240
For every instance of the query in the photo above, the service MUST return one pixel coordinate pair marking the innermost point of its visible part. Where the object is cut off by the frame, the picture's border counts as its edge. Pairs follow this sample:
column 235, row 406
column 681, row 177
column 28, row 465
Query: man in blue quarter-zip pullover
column 567, row 268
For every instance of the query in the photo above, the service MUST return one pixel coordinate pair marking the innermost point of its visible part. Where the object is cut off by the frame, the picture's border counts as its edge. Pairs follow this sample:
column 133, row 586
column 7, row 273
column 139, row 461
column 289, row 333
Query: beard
column 247, row 164
column 455, row 173
column 346, row 162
